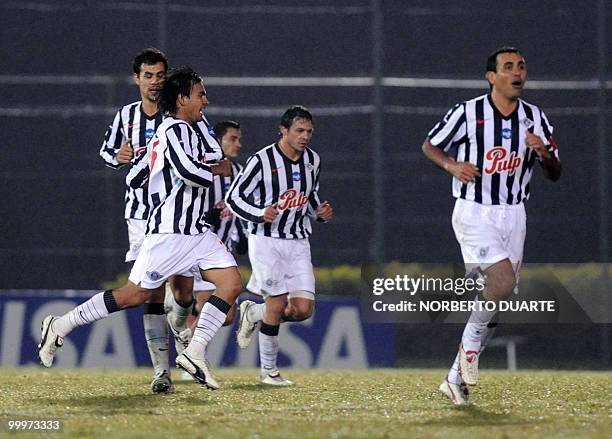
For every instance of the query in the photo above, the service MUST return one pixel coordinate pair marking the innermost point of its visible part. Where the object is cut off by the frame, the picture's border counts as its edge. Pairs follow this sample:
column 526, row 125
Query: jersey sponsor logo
column 291, row 199
column 506, row 133
column 296, row 176
column 149, row 133
column 211, row 132
column 501, row 162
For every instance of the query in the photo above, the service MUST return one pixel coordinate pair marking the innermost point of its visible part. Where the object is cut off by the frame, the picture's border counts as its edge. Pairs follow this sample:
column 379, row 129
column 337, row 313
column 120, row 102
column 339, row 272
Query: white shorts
column 489, row 234
column 280, row 266
column 168, row 254
column 136, row 233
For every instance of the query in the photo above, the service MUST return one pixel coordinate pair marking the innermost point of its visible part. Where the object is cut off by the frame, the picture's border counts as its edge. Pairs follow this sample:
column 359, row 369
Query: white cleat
column 181, row 339
column 244, row 335
column 198, row 369
column 50, row 341
column 468, row 364
column 459, row 394
column 275, row 379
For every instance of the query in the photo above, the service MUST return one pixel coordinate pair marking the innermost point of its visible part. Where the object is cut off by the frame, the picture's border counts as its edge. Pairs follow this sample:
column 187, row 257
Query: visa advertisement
column 335, row 337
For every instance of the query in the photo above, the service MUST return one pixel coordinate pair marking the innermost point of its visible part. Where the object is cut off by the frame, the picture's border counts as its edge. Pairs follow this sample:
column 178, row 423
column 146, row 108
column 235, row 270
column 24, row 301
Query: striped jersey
column 177, row 179
column 496, row 145
column 230, row 227
column 132, row 123
column 270, row 177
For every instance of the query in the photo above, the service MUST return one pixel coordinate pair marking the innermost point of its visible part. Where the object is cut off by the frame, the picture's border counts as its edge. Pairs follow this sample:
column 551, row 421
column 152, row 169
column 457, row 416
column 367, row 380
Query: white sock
column 156, row 335
column 256, row 312
column 210, row 320
column 178, row 314
column 268, row 347
column 87, row 312
column 454, row 375
column 475, row 329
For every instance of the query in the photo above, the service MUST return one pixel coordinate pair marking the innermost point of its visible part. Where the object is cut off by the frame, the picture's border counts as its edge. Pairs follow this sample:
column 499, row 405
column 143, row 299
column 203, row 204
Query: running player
column 176, row 239
column 499, row 138
column 277, row 193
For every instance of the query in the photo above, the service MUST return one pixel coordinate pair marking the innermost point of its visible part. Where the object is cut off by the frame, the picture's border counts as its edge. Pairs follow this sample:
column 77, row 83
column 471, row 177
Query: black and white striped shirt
column 270, row 177
column 132, row 123
column 230, row 227
column 496, row 145
column 177, row 179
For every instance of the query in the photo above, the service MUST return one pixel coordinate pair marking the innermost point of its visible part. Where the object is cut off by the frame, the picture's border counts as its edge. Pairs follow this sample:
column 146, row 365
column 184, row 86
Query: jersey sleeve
column 450, row 129
column 138, row 176
column 212, row 151
column 313, row 198
column 547, row 133
column 112, row 143
column 179, row 150
column 238, row 196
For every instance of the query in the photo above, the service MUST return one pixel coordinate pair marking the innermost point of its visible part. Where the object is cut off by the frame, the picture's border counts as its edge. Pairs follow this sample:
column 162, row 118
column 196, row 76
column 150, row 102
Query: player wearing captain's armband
column 499, row 140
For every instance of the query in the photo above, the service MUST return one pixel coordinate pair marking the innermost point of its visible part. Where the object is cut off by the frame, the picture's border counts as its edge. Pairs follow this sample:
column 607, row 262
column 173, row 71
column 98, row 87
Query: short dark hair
column 295, row 112
column 149, row 56
column 492, row 59
column 179, row 82
column 221, row 128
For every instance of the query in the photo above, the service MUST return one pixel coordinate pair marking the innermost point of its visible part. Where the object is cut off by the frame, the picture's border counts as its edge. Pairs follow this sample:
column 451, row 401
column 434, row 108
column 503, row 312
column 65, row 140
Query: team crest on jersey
column 291, row 199
column 309, row 166
column 501, row 162
column 296, row 176
column 506, row 133
column 154, row 275
column 527, row 123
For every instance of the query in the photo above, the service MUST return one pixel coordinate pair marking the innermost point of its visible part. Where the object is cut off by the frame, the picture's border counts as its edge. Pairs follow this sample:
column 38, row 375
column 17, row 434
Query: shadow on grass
column 257, row 387
column 110, row 404
column 473, row 416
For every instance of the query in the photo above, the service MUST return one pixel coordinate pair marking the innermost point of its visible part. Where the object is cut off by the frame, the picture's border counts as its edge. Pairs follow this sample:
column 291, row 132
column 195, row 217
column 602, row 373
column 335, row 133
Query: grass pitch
column 386, row 403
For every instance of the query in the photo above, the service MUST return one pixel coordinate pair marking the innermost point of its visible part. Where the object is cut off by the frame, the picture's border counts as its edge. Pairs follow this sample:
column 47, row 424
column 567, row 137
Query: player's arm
column 238, row 197
column 463, row 171
column 138, row 176
column 320, row 211
column 116, row 151
column 547, row 155
column 188, row 169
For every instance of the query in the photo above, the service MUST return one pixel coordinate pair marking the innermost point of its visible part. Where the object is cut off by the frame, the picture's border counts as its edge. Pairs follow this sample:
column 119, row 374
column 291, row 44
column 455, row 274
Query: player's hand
column 125, row 153
column 465, row 172
column 222, row 167
column 270, row 213
column 536, row 144
column 325, row 211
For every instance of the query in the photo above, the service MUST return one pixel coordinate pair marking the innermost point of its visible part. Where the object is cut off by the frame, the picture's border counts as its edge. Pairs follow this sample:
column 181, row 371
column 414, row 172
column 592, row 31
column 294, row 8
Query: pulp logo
column 501, row 162
column 291, row 199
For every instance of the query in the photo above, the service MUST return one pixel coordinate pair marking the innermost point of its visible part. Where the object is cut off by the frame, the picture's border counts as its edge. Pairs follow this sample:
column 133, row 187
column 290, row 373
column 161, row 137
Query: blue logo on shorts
column 154, row 275
column 506, row 133
column 296, row 176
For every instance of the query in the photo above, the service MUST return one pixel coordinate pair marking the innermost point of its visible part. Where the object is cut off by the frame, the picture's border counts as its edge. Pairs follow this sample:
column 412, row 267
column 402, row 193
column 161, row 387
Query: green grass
column 386, row 403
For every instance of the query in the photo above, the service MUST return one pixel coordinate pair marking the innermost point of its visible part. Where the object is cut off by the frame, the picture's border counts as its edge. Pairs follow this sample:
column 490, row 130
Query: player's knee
column 501, row 285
